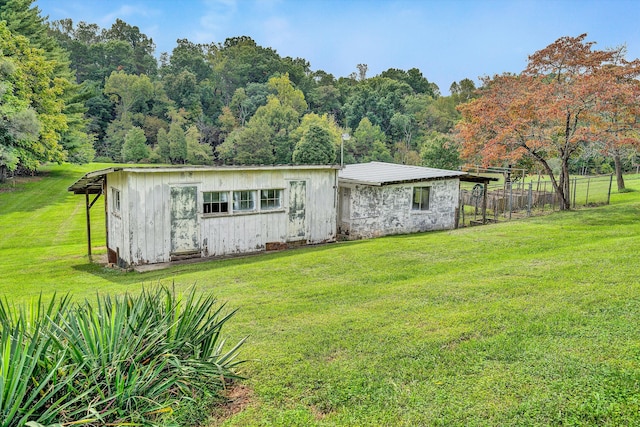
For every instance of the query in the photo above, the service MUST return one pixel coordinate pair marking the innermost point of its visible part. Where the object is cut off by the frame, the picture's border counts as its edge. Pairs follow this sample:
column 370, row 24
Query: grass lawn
column 530, row 322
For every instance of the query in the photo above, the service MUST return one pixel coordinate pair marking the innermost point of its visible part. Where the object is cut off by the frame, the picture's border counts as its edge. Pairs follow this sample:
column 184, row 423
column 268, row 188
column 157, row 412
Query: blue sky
column 447, row 40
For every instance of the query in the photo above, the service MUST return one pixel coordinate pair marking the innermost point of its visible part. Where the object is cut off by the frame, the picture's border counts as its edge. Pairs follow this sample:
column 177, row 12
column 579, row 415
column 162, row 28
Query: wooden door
column 185, row 232
column 297, row 228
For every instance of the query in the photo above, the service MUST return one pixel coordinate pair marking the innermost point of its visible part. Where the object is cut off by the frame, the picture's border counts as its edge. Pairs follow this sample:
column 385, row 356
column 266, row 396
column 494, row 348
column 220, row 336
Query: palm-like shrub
column 119, row 360
column 34, row 377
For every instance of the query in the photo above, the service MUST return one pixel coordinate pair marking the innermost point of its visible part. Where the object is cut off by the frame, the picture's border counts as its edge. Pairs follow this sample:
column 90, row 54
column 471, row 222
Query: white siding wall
column 116, row 220
column 379, row 211
column 142, row 230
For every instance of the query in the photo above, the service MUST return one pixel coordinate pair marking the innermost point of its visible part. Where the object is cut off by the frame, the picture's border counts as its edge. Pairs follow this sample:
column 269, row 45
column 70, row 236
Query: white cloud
column 218, row 14
column 277, row 31
column 123, row 12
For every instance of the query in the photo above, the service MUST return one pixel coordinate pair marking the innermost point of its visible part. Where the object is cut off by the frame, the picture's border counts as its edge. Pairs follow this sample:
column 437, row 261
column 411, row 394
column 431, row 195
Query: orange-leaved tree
column 550, row 110
column 618, row 129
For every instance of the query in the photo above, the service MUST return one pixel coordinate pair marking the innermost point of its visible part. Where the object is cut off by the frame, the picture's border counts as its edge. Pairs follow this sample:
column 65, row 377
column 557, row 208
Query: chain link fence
column 511, row 200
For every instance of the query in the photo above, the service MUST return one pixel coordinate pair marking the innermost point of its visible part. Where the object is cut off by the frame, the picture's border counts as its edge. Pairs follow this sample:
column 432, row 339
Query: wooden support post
column 86, row 195
column 89, row 206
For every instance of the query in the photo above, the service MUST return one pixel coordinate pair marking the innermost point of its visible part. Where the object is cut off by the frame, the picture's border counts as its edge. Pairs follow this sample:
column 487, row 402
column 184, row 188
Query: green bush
column 606, row 168
column 127, row 359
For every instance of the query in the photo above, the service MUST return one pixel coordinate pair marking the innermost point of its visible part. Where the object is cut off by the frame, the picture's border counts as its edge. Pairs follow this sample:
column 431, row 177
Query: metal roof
column 379, row 173
column 91, row 182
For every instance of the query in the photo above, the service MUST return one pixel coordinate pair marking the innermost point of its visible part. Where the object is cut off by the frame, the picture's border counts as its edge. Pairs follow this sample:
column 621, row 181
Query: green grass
column 530, row 322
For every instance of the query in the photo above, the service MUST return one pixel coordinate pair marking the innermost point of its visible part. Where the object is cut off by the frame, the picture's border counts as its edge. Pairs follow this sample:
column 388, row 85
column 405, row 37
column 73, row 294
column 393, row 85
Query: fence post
column 510, row 198
column 586, row 202
column 530, row 199
column 485, row 188
column 609, row 193
column 575, row 186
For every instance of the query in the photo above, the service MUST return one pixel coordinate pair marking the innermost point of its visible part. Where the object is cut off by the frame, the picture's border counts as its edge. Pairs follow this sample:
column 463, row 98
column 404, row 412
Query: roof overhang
column 91, row 183
column 393, row 182
column 476, row 178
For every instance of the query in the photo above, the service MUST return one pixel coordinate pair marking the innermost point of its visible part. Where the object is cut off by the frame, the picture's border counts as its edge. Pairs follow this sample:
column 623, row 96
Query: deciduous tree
column 618, row 109
column 367, row 138
column 128, row 90
column 288, row 95
column 315, row 147
column 440, row 151
column 546, row 111
column 31, row 107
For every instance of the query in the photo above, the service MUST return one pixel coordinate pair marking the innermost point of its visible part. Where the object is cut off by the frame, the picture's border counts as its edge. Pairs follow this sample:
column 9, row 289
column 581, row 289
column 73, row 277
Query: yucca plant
column 141, row 354
column 121, row 361
column 193, row 327
column 33, row 378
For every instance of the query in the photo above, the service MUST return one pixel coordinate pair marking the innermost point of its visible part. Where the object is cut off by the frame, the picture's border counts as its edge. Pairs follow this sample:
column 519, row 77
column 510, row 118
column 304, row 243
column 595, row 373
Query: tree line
column 77, row 92
column 234, row 102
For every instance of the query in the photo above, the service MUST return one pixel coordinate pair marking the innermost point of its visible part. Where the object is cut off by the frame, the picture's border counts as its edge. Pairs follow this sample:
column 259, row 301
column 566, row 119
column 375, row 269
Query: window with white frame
column 421, row 198
column 244, row 200
column 270, row 199
column 115, row 200
column 215, row 202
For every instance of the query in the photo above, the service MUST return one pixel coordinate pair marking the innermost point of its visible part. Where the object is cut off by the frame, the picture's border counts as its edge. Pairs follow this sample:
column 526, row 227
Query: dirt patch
column 238, row 398
column 320, row 413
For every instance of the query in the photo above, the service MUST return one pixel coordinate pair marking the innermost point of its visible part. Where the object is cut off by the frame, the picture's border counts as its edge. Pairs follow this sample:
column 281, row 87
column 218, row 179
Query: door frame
column 292, row 235
column 195, row 250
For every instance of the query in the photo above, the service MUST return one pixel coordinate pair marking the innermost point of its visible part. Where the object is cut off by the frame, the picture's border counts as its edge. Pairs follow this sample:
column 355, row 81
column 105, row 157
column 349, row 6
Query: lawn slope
column 531, row 322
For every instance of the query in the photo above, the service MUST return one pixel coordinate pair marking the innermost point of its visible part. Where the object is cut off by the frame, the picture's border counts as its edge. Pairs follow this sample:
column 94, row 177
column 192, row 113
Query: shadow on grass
column 195, row 265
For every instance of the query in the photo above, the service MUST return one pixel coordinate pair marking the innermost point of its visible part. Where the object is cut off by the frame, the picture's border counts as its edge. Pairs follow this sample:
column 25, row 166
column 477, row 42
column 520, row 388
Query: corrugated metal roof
column 379, row 173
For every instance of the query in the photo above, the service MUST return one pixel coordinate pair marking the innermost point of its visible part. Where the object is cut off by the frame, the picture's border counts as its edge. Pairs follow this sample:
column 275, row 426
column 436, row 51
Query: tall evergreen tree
column 163, row 147
column 177, row 144
column 135, row 146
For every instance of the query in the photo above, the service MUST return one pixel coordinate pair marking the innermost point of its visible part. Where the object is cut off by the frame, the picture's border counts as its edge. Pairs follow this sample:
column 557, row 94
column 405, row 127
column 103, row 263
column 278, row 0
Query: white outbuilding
column 377, row 199
column 160, row 214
